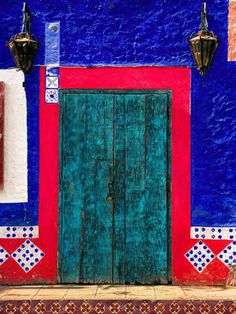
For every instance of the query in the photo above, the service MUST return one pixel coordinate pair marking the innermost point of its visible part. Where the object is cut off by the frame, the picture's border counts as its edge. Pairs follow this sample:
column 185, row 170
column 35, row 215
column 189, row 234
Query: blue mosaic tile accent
column 52, row 85
column 200, row 255
column 28, row 255
column 52, row 43
column 213, row 233
column 228, row 255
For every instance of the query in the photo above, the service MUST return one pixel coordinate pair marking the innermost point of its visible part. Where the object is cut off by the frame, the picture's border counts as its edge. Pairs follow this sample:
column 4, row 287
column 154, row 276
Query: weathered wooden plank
column 135, row 188
column 100, row 132
column 119, row 191
column 2, row 100
column 73, row 113
column 156, row 207
column 87, row 216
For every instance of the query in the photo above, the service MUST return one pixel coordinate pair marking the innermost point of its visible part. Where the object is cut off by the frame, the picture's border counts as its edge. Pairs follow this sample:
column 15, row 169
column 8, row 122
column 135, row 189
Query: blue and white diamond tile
column 200, row 255
column 28, row 255
column 3, row 255
column 228, row 255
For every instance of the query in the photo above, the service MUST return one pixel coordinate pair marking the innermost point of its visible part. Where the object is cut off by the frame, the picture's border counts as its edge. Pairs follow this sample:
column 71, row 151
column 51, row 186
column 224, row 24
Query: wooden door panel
column 86, row 239
column 117, row 143
column 141, row 168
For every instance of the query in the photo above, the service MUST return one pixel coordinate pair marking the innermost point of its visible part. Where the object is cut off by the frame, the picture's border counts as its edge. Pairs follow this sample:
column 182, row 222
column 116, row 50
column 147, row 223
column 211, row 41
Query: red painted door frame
column 178, row 81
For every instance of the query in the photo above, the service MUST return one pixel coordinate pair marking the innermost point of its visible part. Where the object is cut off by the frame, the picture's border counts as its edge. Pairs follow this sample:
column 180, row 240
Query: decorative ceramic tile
column 114, row 308
column 220, row 308
column 55, row 307
column 174, row 308
column 118, row 306
column 213, row 233
column 189, row 308
column 51, row 96
column 52, row 43
column 228, row 255
column 52, row 82
column 16, row 232
column 232, row 308
column 52, row 71
column 204, row 308
column 52, row 85
column 3, row 255
column 144, row 308
column 27, row 255
column 100, row 308
column 10, row 308
column 25, row 308
column 159, row 308
column 86, row 308
column 200, row 255
column 40, row 308
column 70, row 308
column 129, row 308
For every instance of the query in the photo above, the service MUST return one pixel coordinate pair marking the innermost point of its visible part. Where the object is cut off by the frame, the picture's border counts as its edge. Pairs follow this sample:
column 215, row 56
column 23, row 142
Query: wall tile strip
column 52, row 85
column 232, row 31
column 16, row 232
column 118, row 306
column 213, row 233
column 52, row 44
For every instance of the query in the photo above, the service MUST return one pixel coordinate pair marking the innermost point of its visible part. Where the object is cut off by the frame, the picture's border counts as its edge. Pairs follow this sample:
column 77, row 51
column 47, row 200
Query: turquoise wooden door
column 114, row 187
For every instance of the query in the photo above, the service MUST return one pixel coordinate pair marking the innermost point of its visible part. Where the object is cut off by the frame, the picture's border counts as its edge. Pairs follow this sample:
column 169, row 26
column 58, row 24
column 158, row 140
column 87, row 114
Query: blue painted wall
column 148, row 32
column 26, row 214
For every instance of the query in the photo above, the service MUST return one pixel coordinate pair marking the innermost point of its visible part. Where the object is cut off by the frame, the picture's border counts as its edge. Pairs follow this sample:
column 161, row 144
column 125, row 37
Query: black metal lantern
column 22, row 46
column 203, row 45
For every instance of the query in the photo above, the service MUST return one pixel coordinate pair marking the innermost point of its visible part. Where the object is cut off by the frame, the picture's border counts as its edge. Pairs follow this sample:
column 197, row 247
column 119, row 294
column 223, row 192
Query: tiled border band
column 117, row 306
column 19, row 232
column 213, row 233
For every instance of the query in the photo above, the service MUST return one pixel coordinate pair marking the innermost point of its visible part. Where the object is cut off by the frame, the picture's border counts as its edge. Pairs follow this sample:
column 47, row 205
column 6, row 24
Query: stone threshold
column 117, row 292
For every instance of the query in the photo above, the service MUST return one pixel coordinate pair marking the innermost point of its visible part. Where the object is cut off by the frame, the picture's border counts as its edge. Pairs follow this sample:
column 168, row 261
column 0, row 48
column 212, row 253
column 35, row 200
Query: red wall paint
column 46, row 270
column 178, row 81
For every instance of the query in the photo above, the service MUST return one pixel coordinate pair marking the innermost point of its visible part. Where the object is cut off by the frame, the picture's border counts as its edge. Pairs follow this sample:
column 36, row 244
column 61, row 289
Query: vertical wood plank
column 87, row 163
column 156, row 206
column 119, row 191
column 73, row 114
column 2, row 99
column 135, row 188
column 98, row 231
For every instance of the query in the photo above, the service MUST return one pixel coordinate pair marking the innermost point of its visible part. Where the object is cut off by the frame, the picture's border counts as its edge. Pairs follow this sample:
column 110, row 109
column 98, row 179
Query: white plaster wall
column 15, row 139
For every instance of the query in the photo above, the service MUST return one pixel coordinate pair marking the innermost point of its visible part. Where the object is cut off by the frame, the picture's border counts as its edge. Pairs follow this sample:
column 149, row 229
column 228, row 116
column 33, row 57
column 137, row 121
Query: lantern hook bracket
column 25, row 19
column 204, row 23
